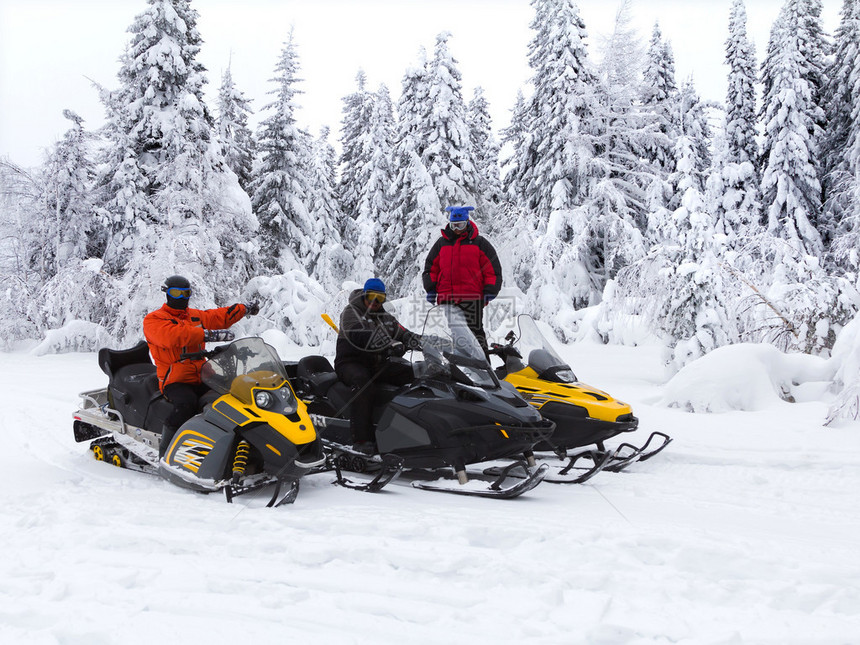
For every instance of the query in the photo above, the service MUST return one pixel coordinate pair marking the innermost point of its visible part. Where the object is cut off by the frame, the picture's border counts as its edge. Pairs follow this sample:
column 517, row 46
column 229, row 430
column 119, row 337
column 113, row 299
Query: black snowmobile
column 255, row 434
column 583, row 415
column 456, row 413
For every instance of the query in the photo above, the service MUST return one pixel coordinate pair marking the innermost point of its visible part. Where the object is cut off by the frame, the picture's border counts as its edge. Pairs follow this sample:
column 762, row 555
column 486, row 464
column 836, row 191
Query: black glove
column 396, row 348
column 252, row 308
column 217, row 335
column 414, row 342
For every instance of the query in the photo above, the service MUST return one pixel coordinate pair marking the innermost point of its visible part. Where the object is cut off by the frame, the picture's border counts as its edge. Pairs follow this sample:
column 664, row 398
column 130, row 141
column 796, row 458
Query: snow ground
column 744, row 530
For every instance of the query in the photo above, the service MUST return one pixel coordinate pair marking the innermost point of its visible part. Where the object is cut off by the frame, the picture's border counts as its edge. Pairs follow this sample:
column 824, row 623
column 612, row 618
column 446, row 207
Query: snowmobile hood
column 471, row 232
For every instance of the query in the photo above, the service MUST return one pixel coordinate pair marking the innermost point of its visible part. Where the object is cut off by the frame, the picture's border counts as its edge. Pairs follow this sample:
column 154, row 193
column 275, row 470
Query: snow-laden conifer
column 447, row 153
column 841, row 146
column 417, row 212
column 67, row 217
column 740, row 94
column 518, row 167
column 562, row 116
column 486, row 155
column 354, row 132
column 280, row 189
column 169, row 203
column 373, row 210
column 791, row 190
column 679, row 287
column 234, row 135
column 334, row 264
column 587, row 243
column 659, row 95
column 733, row 186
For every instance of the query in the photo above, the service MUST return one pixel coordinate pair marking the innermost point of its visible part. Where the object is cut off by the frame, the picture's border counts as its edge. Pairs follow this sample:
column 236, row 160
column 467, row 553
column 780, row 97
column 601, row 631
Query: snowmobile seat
column 318, row 372
column 111, row 360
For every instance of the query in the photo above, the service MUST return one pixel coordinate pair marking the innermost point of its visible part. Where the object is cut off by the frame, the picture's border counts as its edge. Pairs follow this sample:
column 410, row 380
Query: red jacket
column 462, row 267
column 170, row 332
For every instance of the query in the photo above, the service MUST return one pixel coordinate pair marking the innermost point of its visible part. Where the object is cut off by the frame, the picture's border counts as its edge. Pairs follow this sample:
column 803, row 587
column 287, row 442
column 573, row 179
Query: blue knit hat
column 459, row 213
column 374, row 284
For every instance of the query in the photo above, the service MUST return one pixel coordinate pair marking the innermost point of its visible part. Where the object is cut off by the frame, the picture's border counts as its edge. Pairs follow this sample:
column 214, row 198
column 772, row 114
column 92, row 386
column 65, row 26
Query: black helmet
column 178, row 291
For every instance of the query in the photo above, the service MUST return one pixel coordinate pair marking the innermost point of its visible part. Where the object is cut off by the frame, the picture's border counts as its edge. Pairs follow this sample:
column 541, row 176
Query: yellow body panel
column 297, row 432
column 538, row 392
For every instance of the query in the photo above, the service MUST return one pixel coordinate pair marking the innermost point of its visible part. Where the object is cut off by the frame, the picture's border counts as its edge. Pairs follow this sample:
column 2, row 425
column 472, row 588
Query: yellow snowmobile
column 583, row 414
column 253, row 434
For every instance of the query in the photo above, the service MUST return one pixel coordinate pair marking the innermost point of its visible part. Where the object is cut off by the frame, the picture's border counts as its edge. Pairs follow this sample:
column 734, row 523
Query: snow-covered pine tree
column 625, row 131
column 414, row 106
column 66, row 202
column 800, row 306
column 415, row 222
column 416, row 212
column 733, row 190
column 234, row 135
column 280, row 189
column 841, row 146
column 486, row 154
column 563, row 106
column 169, row 203
column 659, row 95
column 679, row 287
column 517, row 169
column 448, row 154
column 19, row 207
column 335, row 262
column 791, row 190
column 373, row 210
column 591, row 229
column 740, row 94
column 357, row 108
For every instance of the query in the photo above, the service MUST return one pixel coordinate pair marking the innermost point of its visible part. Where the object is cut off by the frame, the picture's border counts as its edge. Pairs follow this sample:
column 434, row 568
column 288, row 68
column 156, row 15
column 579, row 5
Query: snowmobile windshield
column 451, row 350
column 244, row 357
column 542, row 356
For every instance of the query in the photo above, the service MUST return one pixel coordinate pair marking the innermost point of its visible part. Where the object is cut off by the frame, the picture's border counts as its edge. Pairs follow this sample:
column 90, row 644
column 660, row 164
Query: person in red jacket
column 175, row 329
column 462, row 268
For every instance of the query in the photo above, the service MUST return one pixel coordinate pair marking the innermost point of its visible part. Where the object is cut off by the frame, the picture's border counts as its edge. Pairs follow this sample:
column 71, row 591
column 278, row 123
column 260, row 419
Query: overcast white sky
column 50, row 48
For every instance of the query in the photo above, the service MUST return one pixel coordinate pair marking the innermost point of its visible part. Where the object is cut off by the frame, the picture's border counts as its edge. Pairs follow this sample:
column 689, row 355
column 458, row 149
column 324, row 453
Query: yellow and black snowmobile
column 256, row 433
column 583, row 415
column 442, row 427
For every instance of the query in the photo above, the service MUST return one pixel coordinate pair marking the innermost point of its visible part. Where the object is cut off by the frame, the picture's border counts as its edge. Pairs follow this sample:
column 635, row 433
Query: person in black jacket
column 367, row 339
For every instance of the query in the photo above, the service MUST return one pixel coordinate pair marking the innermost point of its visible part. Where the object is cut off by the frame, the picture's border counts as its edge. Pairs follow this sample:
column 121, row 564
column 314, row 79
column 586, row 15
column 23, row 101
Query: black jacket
column 364, row 336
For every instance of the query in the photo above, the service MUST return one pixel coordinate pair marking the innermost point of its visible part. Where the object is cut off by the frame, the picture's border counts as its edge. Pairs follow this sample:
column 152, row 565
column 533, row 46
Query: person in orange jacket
column 175, row 329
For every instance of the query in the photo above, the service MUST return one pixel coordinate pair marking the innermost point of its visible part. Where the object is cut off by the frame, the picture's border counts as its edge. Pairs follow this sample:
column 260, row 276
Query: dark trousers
column 474, row 311
column 365, row 384
column 185, row 398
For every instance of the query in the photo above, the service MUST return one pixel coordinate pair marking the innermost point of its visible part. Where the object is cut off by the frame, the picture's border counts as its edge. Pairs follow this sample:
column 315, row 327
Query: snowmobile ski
column 524, row 479
column 634, row 454
column 341, row 457
column 571, row 472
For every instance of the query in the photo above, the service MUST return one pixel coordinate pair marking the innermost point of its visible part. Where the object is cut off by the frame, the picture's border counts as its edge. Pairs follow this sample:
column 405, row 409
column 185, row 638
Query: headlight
column 264, row 399
column 566, row 376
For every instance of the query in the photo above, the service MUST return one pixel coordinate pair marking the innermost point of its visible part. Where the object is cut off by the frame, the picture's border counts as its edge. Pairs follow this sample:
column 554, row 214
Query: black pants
column 185, row 398
column 365, row 384
column 474, row 311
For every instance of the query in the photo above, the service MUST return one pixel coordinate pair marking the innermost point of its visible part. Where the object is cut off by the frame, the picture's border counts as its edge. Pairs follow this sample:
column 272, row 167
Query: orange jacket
column 170, row 332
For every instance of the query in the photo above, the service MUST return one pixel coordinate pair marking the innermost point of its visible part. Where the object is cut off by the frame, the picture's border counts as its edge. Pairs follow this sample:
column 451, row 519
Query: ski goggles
column 375, row 296
column 458, row 226
column 178, row 292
